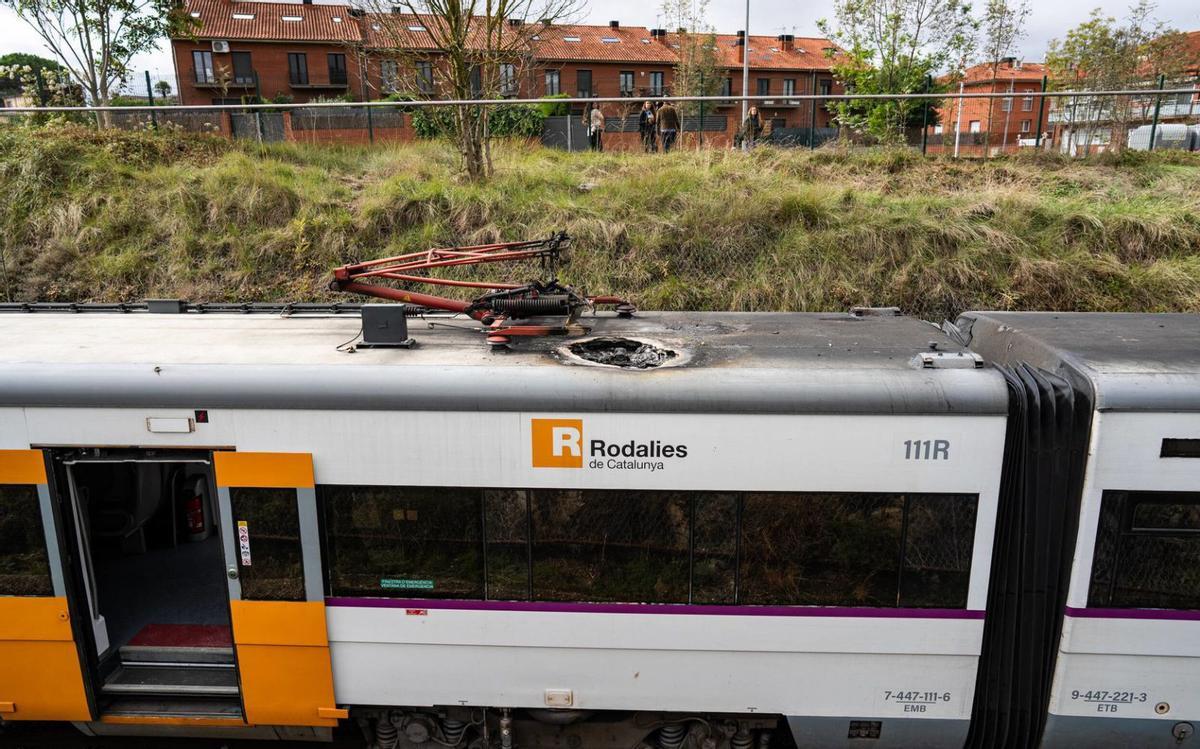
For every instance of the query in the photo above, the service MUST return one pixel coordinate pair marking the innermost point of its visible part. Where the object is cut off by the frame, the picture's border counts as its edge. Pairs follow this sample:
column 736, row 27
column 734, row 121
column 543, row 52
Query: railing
column 803, row 120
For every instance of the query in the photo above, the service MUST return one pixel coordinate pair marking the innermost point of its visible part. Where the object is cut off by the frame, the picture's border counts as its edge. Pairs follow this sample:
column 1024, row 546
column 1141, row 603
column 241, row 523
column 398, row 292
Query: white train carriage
column 1128, row 659
column 227, row 524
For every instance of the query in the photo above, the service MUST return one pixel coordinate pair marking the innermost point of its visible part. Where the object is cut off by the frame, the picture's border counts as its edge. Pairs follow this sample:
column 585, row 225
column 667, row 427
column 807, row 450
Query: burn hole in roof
column 625, row 353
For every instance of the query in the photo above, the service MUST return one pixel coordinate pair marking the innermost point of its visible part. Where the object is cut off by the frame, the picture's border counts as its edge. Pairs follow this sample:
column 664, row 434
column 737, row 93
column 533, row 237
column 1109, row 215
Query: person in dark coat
column 752, row 128
column 647, row 127
column 668, row 125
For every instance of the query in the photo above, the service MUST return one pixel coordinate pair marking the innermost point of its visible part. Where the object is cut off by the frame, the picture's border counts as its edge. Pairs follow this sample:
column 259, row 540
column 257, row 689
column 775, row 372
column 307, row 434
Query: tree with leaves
column 162, row 88
column 1003, row 27
column 699, row 71
column 1102, row 54
column 475, row 49
column 892, row 47
column 96, row 39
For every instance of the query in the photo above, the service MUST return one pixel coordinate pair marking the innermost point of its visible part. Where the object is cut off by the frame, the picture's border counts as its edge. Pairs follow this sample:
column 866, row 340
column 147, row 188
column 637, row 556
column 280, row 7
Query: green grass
column 123, row 216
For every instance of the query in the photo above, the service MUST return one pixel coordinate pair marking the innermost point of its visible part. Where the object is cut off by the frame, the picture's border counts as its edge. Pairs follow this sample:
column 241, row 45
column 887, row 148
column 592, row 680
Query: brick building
column 1013, row 118
column 305, row 51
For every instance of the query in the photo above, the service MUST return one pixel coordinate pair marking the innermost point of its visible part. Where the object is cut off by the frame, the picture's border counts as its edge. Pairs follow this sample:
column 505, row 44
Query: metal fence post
column 1162, row 81
column 925, row 117
column 370, row 127
column 150, row 99
column 700, row 131
column 1037, row 143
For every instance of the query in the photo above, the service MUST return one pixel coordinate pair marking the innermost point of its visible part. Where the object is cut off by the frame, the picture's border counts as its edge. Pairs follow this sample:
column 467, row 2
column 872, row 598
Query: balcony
column 207, row 79
column 317, row 84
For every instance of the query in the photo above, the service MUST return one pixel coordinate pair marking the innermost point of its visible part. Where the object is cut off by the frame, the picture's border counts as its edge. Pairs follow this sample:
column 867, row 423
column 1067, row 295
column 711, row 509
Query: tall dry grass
column 121, row 216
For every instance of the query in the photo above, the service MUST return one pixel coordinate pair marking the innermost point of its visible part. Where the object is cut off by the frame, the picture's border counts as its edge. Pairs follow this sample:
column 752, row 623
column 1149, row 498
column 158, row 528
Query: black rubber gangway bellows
column 1036, row 525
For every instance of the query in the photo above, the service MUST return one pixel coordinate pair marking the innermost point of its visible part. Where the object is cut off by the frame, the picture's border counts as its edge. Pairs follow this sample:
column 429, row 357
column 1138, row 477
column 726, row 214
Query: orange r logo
column 557, row 443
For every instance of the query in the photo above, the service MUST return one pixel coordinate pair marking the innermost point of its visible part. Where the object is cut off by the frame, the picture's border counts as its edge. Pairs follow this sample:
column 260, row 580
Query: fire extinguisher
column 195, row 509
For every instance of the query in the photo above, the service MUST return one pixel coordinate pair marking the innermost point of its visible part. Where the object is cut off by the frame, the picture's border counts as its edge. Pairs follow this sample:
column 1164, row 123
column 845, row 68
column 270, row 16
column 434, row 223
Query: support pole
column 370, row 127
column 745, row 77
column 700, row 127
column 925, row 117
column 1162, row 81
column 1041, row 113
column 150, row 99
column 958, row 124
column 812, row 120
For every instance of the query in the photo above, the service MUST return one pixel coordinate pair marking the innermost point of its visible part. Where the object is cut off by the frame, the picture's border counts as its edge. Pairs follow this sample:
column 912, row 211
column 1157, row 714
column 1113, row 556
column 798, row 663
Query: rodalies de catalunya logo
column 560, row 443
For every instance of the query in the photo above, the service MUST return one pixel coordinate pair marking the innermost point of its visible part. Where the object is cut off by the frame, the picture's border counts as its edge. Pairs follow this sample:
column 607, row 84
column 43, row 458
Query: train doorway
column 151, row 581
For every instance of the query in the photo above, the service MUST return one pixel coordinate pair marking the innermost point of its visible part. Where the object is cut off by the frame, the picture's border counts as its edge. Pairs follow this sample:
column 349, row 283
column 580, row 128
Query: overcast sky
column 1047, row 21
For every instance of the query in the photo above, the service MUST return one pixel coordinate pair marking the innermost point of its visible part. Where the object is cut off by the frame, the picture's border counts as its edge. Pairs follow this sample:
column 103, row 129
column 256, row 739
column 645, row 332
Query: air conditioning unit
column 220, row 46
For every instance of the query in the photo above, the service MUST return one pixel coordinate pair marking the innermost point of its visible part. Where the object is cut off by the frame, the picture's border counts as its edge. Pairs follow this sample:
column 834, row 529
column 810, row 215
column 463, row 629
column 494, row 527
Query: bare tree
column 1003, row 26
column 699, row 69
column 96, row 39
column 463, row 50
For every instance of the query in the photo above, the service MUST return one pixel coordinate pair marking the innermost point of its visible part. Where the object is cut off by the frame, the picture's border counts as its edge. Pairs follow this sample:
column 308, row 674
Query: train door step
column 210, row 708
column 150, row 655
column 173, row 679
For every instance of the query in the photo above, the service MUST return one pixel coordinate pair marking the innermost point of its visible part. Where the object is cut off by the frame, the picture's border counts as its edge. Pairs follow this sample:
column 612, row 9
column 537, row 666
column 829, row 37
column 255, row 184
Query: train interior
column 154, row 580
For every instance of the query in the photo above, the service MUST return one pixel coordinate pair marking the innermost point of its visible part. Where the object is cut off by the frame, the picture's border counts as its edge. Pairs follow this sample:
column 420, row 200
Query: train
column 675, row 530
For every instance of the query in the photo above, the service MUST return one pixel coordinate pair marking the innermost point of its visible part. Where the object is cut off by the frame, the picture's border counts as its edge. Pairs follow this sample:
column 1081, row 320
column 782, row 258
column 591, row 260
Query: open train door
column 277, row 603
column 41, row 676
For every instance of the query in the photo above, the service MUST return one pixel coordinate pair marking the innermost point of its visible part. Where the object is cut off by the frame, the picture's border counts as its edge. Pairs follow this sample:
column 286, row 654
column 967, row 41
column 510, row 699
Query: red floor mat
column 183, row 636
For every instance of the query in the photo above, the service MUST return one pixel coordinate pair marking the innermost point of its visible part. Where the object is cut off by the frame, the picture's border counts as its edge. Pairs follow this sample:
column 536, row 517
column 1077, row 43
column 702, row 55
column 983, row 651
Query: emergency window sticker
column 396, row 584
column 244, row 542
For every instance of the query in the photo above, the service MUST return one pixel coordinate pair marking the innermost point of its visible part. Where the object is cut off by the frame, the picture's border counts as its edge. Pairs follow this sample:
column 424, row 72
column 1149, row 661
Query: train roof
column 725, row 362
column 1129, row 361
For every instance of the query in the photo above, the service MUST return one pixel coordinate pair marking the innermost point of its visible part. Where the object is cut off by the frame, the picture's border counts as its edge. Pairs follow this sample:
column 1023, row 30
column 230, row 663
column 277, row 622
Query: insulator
column 671, row 736
column 741, row 740
column 453, row 731
column 538, row 306
column 387, row 736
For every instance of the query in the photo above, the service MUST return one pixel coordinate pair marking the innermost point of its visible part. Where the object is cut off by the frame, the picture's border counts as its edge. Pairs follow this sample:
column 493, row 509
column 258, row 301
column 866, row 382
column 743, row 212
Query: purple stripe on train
column 1164, row 614
column 654, row 608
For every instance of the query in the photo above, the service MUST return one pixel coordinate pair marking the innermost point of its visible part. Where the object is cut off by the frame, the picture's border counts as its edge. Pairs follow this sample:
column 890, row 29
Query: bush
column 505, row 121
column 555, row 110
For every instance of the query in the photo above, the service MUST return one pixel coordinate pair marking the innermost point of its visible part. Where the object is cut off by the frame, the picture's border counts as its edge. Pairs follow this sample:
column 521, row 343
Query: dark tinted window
column 298, row 68
column 267, row 521
column 622, row 546
column 243, row 71
column 820, row 549
column 337, row 68
column 938, row 542
column 24, row 568
column 583, row 82
column 1147, row 551
column 404, row 542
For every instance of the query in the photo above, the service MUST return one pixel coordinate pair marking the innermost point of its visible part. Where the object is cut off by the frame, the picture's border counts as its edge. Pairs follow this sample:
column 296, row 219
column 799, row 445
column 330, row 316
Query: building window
column 937, row 129
column 243, row 71
column 625, row 78
column 1006, row 104
column 553, row 83
column 24, row 564
column 508, row 79
column 1026, row 103
column 764, row 86
column 425, row 77
column 727, row 87
column 1026, row 126
column 656, row 84
column 789, row 86
column 389, row 74
column 826, row 86
column 635, row 546
column 973, row 126
column 337, row 69
column 476, row 81
column 202, row 63
column 583, row 83
column 1147, row 551
column 298, row 68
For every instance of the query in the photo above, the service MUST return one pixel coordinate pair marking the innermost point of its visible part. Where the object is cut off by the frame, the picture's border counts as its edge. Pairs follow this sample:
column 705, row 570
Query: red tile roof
column 222, row 19
column 569, row 42
column 981, row 74
column 767, row 52
column 409, row 32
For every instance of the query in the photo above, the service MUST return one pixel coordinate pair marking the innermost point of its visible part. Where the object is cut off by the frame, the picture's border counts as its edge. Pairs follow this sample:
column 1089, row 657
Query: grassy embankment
column 124, row 216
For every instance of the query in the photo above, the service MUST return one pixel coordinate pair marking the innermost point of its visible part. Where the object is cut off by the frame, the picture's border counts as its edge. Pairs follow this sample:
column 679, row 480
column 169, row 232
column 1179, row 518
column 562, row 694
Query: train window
column 404, row 542
column 939, row 538
column 820, row 549
column 1147, row 552
column 714, row 548
column 619, row 546
column 271, row 564
column 506, row 526
column 1180, row 448
column 24, row 567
